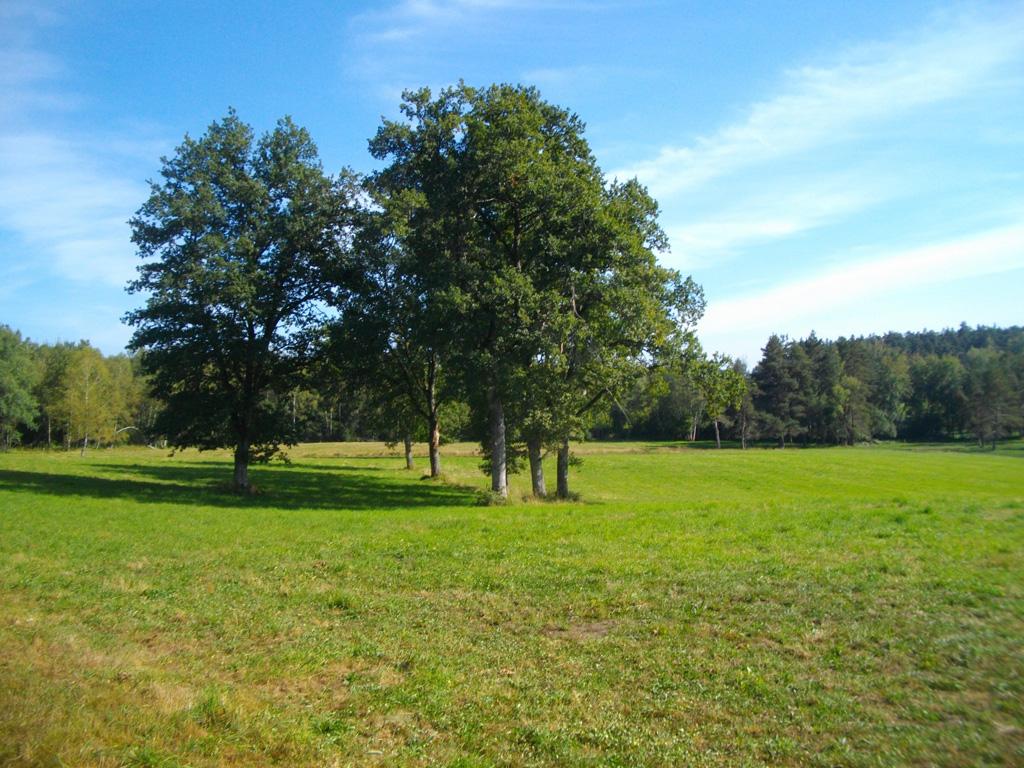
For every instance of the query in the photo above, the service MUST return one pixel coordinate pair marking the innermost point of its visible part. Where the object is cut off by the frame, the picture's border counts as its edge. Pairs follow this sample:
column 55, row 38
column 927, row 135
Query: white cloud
column 403, row 21
column 34, row 11
column 64, row 197
column 559, row 77
column 793, row 207
column 990, row 252
column 819, row 106
column 68, row 210
column 19, row 67
column 412, row 18
column 25, row 70
column 402, row 44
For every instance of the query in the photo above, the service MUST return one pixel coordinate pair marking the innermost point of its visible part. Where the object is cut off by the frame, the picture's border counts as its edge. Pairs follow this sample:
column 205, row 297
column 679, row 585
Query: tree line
column 925, row 386
column 947, row 385
column 487, row 281
column 70, row 395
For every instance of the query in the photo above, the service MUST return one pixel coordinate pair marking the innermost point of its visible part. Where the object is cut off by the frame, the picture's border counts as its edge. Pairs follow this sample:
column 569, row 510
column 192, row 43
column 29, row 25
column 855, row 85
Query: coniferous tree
column 829, row 393
column 936, row 406
column 777, row 391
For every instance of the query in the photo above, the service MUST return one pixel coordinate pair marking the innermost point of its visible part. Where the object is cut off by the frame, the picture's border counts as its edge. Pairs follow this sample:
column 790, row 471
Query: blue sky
column 843, row 167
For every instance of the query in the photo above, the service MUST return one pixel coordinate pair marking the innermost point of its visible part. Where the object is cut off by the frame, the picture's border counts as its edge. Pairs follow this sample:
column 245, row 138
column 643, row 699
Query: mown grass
column 854, row 607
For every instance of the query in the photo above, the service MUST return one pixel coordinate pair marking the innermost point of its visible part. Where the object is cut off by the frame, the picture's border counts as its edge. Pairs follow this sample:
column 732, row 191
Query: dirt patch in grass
column 329, row 685
column 591, row 630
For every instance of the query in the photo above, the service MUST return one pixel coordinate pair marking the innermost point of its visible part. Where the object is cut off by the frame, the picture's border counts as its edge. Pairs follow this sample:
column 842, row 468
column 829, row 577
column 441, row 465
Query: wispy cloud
column 63, row 196
column 411, row 42
column 407, row 19
column 26, row 71
column 69, row 213
column 560, row 77
column 412, row 18
column 989, row 252
column 790, row 209
column 824, row 105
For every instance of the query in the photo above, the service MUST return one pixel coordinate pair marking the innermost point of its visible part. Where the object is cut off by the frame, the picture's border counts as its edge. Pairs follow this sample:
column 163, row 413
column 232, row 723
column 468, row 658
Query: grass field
column 822, row 607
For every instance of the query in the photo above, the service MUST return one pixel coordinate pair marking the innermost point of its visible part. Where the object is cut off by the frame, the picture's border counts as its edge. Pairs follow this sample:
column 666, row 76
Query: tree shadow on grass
column 202, row 484
column 224, row 470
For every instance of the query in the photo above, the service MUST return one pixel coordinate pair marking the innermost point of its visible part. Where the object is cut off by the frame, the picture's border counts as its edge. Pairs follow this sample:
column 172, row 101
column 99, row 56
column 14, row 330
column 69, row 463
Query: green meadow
column 816, row 607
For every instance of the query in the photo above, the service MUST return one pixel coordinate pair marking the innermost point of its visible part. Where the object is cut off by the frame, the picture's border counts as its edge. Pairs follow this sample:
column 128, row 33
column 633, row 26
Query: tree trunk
column 499, row 470
column 49, row 436
column 433, row 420
column 782, row 441
column 242, row 467
column 536, row 468
column 435, row 446
column 85, row 442
column 718, row 439
column 562, row 469
column 408, row 452
column 407, row 442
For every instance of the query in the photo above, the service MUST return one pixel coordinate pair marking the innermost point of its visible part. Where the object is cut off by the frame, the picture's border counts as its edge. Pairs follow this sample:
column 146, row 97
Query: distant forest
column 964, row 383
column 925, row 386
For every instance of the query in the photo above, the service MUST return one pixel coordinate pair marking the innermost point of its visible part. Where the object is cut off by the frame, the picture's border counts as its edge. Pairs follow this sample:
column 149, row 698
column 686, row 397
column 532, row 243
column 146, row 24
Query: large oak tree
column 242, row 239
column 536, row 277
column 494, row 185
